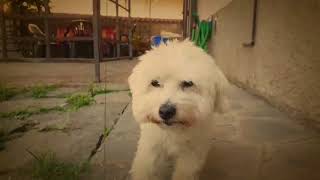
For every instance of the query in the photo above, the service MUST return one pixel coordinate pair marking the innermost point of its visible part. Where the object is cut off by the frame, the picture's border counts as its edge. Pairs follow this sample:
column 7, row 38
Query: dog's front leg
column 147, row 164
column 188, row 166
column 143, row 165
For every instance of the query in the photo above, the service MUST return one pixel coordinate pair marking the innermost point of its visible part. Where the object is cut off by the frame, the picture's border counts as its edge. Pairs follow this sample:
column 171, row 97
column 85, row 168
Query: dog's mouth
column 151, row 119
column 178, row 123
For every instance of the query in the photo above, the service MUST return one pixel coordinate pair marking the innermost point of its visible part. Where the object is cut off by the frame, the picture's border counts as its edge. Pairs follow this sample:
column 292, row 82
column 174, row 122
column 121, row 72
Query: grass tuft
column 77, row 101
column 107, row 132
column 26, row 113
column 7, row 93
column 48, row 167
column 41, row 91
column 96, row 90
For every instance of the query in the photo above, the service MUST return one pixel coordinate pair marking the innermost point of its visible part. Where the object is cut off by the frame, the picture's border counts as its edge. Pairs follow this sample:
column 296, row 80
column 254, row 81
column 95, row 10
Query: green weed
column 107, row 132
column 95, row 90
column 48, row 167
column 77, row 101
column 7, row 93
column 41, row 91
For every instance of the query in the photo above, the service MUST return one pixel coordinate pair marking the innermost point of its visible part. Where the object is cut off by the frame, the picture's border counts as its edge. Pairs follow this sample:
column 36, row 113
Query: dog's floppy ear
column 221, row 104
column 132, row 82
column 136, row 81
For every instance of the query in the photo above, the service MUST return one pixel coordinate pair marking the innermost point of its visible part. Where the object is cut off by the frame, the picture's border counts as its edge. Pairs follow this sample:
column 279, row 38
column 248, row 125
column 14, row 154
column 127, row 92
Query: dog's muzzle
column 167, row 111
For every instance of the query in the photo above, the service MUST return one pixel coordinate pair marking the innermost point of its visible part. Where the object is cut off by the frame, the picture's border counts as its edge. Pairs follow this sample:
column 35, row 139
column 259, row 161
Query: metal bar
column 187, row 17
column 46, row 29
column 117, row 28
column 149, row 25
column 191, row 11
column 130, row 30
column 97, row 38
column 129, row 9
column 51, row 60
column 50, row 16
column 74, row 39
column 116, row 2
column 149, row 8
column 115, row 58
column 3, row 33
column 184, row 27
column 254, row 25
column 61, row 60
column 54, row 39
column 86, row 17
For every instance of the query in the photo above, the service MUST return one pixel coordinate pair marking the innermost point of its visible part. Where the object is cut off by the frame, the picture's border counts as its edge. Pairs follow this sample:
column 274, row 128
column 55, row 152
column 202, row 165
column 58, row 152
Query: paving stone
column 231, row 161
column 83, row 129
column 21, row 104
column 246, row 140
column 120, row 148
column 252, row 141
column 65, row 91
column 293, row 161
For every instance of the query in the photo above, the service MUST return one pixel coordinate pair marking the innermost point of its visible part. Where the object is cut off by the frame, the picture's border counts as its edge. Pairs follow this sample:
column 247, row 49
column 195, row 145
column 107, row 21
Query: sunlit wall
column 167, row 9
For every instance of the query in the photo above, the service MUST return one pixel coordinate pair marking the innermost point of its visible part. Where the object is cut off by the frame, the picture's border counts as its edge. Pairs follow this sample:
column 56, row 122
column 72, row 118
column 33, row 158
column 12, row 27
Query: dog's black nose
column 167, row 111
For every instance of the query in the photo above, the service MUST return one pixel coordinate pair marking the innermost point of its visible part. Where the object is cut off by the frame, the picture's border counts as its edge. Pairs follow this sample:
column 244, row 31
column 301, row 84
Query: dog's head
column 177, row 84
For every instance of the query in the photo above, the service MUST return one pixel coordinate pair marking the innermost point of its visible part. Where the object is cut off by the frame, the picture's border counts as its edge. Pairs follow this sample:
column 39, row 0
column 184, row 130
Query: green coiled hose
column 201, row 34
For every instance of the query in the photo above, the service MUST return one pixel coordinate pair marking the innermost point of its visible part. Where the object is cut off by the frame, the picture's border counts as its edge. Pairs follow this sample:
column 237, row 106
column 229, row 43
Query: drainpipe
column 254, row 25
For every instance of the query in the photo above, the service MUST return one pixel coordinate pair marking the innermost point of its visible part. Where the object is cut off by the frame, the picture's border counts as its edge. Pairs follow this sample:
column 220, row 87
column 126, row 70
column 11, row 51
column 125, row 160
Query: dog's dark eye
column 186, row 84
column 155, row 83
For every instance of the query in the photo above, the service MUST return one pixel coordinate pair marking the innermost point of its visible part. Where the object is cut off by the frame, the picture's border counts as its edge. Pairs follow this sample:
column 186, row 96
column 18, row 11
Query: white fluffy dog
column 176, row 91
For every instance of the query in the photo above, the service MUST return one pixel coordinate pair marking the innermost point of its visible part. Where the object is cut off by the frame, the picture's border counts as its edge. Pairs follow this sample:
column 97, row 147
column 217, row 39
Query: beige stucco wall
column 284, row 65
column 166, row 9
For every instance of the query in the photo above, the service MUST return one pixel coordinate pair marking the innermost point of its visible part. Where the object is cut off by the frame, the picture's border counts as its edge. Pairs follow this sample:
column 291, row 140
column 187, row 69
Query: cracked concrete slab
column 30, row 103
column 252, row 141
column 72, row 136
column 120, row 146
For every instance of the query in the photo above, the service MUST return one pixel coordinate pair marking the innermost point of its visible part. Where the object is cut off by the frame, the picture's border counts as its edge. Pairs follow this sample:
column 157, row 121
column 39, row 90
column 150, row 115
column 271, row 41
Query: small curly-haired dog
column 177, row 89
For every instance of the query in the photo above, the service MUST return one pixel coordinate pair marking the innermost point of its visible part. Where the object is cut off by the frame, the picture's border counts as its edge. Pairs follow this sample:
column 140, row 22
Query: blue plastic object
column 157, row 40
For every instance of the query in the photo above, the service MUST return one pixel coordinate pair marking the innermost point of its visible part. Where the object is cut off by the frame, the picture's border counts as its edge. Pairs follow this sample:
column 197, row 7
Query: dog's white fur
column 187, row 141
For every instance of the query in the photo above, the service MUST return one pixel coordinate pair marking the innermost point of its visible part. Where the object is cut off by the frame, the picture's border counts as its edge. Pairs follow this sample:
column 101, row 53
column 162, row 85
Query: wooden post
column 130, row 29
column 3, row 33
column 97, row 38
column 117, row 28
column 46, row 29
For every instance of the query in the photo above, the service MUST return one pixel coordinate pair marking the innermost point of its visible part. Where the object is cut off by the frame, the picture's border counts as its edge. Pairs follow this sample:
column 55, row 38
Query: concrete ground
column 21, row 74
column 70, row 135
column 254, row 141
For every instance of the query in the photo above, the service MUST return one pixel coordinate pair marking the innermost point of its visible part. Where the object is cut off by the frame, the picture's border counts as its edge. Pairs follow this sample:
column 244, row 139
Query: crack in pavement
column 104, row 135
